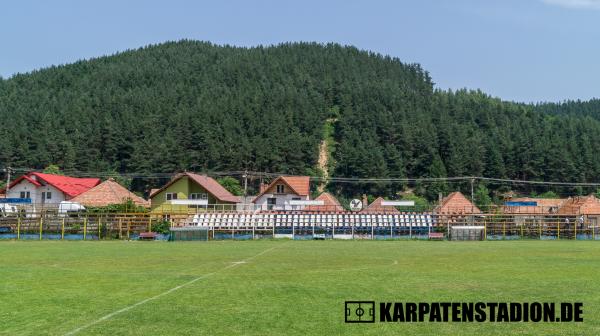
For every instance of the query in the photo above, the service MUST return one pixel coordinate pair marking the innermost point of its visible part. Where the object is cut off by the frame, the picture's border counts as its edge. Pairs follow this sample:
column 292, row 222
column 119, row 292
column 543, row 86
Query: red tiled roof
column 457, row 203
column 376, row 207
column 581, row 205
column 18, row 180
column 107, row 193
column 70, row 186
column 300, row 185
column 330, row 203
column 211, row 185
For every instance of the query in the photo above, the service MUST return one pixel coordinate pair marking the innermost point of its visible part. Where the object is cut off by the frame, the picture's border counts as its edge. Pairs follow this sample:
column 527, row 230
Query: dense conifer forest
column 198, row 106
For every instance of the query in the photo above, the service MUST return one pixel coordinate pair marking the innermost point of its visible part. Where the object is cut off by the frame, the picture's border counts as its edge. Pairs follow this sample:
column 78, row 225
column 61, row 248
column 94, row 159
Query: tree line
column 203, row 107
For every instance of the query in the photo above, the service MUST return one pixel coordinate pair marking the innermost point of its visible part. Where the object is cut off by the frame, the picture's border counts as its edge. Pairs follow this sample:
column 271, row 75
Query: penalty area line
column 167, row 292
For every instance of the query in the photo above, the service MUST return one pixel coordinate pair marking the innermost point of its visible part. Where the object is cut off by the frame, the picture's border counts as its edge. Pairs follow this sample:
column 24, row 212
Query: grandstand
column 305, row 225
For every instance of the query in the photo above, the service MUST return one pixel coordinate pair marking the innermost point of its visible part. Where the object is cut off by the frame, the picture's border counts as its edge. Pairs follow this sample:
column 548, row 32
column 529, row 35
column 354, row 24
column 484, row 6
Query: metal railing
column 298, row 224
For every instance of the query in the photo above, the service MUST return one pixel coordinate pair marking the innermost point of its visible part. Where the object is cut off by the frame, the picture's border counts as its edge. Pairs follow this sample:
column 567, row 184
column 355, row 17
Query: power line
column 345, row 180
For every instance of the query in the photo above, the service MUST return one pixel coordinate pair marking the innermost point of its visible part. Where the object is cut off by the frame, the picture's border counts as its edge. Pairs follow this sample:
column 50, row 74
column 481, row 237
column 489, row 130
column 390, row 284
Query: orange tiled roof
column 300, row 185
column 330, row 203
column 376, row 207
column 580, row 205
column 456, row 203
column 107, row 193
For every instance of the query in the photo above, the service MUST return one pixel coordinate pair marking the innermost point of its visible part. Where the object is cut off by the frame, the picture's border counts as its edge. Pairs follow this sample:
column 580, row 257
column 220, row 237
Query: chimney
column 263, row 187
column 440, row 198
column 365, row 202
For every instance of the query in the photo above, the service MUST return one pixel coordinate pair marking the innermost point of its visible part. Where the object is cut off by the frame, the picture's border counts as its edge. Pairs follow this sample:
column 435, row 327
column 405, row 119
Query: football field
column 278, row 287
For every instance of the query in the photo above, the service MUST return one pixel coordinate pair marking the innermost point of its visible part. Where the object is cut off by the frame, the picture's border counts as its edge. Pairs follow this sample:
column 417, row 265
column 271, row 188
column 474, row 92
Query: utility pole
column 245, row 182
column 472, row 194
column 8, row 171
column 245, row 186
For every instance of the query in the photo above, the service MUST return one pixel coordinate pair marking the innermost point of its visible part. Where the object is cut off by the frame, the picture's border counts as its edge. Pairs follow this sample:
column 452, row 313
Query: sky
column 522, row 50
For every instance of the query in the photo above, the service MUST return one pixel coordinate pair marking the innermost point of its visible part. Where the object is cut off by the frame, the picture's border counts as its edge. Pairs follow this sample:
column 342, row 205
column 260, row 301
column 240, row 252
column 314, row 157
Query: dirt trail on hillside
column 323, row 163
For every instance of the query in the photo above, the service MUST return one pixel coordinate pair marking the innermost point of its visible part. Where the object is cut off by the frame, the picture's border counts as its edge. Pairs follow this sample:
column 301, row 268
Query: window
column 25, row 194
column 271, row 202
column 171, row 196
column 280, row 188
column 46, row 195
column 198, row 196
column 296, row 199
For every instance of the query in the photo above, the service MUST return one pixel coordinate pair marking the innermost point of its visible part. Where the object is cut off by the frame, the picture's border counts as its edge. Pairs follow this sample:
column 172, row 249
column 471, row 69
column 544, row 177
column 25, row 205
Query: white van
column 65, row 208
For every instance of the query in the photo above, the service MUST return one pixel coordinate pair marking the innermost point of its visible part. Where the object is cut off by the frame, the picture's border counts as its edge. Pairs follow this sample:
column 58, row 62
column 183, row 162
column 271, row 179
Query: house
column 378, row 208
column 48, row 190
column 587, row 207
column 278, row 194
column 193, row 187
column 580, row 205
column 107, row 193
column 456, row 209
column 330, row 203
column 456, row 204
column 544, row 206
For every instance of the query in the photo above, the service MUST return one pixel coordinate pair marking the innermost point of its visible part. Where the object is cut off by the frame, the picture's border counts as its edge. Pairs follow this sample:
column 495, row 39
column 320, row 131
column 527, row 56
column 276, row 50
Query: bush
column 162, row 227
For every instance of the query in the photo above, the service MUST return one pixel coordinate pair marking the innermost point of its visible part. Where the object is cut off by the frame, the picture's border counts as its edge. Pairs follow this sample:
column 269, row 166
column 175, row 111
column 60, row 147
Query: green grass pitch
column 284, row 287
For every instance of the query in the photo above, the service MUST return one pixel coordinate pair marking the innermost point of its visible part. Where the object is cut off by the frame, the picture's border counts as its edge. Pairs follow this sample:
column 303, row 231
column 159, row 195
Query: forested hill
column 194, row 105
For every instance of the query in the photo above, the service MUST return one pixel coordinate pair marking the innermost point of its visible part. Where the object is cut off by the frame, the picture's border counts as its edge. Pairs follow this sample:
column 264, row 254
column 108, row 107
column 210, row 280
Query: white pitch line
column 117, row 312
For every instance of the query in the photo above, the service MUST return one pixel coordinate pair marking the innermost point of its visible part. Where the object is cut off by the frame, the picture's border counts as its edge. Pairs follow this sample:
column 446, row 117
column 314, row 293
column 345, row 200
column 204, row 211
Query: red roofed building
column 580, row 205
column 456, row 204
column 544, row 206
column 190, row 186
column 330, row 203
column 107, row 193
column 278, row 194
column 49, row 189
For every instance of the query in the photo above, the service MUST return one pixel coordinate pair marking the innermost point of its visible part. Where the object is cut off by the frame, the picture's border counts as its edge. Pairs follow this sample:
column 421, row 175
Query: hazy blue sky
column 526, row 50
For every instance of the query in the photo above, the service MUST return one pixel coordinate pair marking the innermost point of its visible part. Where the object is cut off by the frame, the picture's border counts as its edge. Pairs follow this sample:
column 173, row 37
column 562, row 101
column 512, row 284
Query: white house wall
column 36, row 193
column 282, row 203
